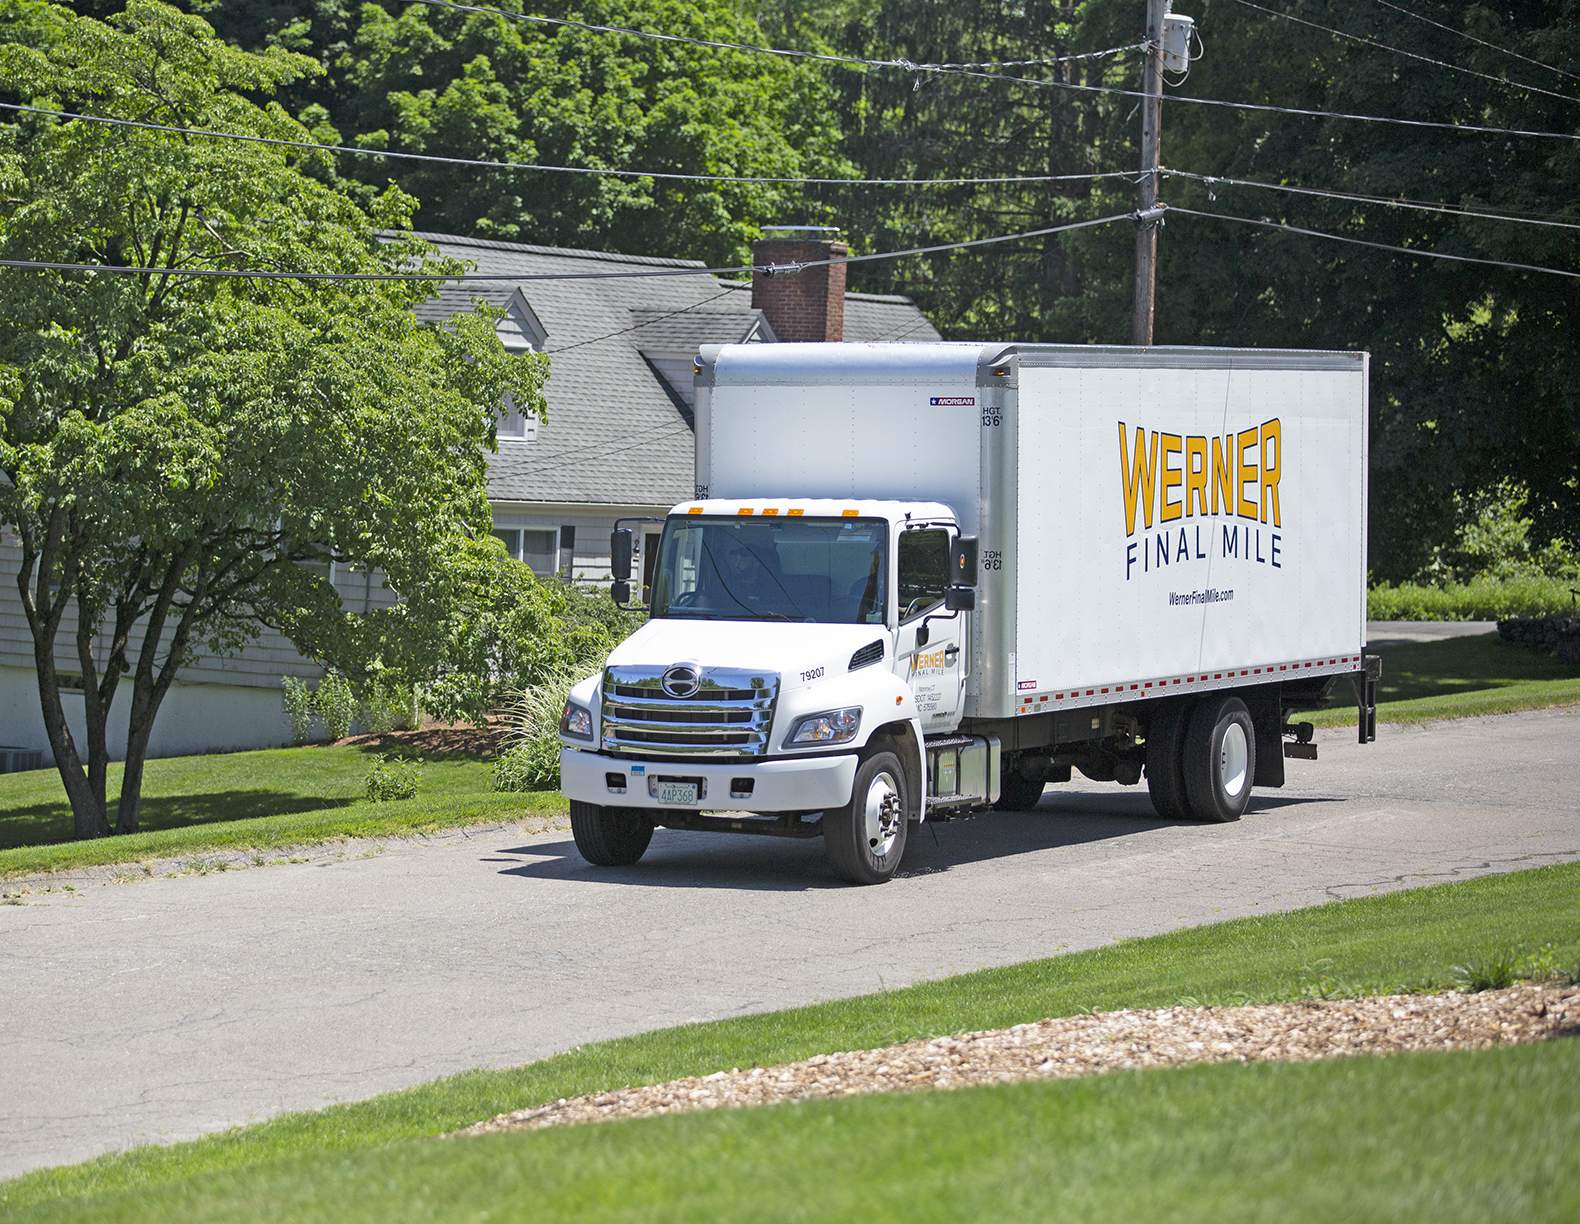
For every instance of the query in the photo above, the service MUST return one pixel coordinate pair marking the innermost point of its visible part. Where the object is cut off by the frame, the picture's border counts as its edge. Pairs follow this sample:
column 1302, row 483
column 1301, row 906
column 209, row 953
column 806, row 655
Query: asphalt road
column 160, row 1010
column 1393, row 633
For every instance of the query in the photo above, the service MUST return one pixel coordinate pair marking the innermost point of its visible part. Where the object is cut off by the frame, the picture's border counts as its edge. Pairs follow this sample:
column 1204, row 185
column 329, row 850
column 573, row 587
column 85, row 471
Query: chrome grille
column 730, row 714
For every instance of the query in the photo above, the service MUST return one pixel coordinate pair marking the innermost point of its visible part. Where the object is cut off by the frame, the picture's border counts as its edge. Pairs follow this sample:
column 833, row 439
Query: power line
column 1425, row 59
column 1264, row 223
column 580, row 455
column 599, row 171
column 525, row 277
column 1213, row 180
column 1040, row 82
column 565, row 348
column 1399, row 8
column 37, row 265
column 853, row 61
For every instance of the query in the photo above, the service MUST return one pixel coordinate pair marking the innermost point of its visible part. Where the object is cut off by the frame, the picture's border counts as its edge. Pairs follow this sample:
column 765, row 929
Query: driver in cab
column 745, row 577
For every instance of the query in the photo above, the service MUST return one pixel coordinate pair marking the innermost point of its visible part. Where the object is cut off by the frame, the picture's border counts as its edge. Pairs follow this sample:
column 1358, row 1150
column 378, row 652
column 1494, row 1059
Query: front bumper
column 788, row 784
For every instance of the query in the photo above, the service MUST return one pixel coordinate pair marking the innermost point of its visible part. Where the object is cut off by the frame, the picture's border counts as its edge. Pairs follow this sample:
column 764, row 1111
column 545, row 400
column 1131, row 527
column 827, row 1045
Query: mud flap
column 1267, row 716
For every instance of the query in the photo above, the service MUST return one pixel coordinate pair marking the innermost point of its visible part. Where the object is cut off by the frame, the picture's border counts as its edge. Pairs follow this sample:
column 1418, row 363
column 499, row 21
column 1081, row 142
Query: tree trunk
column 146, row 696
column 44, row 607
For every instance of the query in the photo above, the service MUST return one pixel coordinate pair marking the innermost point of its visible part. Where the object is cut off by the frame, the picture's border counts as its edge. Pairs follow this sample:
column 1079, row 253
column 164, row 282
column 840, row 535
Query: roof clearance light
column 770, row 510
column 744, row 510
column 795, row 513
column 847, row 513
column 695, row 510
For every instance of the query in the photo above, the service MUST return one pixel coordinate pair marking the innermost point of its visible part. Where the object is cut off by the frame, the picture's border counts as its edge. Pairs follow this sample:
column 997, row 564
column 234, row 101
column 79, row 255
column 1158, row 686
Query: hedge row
column 1482, row 599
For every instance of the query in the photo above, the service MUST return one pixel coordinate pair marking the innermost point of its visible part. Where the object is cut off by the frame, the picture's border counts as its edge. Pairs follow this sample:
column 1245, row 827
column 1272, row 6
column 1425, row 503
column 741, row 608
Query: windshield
column 799, row 569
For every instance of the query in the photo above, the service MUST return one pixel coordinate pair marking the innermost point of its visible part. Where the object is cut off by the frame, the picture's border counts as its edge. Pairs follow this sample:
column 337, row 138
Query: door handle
column 950, row 652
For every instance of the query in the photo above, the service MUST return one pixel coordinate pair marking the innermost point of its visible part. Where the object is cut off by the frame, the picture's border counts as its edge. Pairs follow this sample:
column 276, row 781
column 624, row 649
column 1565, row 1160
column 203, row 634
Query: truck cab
column 799, row 658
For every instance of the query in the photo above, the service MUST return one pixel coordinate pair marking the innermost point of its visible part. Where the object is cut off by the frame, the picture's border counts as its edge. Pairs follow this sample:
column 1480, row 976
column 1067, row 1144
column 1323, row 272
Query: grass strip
column 1484, row 1135
column 1398, row 942
column 265, row 800
column 1462, row 678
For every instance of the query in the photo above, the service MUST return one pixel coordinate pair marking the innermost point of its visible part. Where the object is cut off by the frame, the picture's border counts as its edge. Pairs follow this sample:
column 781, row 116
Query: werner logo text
column 1168, row 478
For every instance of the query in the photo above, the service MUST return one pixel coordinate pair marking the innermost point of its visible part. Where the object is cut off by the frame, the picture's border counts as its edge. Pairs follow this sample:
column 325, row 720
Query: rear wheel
column 610, row 837
column 865, row 839
column 1220, row 759
column 1018, row 793
column 1165, row 761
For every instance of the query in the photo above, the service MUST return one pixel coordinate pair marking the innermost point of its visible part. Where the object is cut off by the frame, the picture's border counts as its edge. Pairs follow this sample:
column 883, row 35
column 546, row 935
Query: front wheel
column 865, row 839
column 610, row 837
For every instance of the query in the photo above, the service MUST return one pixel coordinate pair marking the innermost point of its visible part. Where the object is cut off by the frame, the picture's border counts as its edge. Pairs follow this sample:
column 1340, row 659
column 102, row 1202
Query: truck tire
column 610, row 837
column 1220, row 759
column 1018, row 793
column 1166, row 761
column 865, row 839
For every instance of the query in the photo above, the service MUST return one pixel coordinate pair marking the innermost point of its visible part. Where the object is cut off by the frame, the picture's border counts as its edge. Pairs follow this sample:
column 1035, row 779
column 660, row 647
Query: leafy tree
column 1474, row 368
column 430, row 80
column 182, row 455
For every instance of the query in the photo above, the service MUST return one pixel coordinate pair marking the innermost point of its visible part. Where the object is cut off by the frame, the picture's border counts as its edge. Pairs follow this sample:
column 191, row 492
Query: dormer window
column 520, row 330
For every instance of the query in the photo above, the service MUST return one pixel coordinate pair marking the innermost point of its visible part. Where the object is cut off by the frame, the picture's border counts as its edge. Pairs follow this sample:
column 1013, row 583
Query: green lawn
column 1462, row 677
column 1469, row 1136
column 1374, row 1121
column 250, row 800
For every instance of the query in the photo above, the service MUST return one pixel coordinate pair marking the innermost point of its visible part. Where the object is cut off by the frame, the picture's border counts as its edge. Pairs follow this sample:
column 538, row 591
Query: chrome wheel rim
column 1234, row 758
column 881, row 816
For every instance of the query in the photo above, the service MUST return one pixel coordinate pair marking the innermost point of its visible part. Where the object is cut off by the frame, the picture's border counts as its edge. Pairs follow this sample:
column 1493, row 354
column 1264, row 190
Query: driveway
column 165, row 1009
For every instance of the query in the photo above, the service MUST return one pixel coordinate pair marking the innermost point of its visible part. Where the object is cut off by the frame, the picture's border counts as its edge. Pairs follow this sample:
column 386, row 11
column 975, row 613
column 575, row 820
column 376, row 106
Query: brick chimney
column 806, row 305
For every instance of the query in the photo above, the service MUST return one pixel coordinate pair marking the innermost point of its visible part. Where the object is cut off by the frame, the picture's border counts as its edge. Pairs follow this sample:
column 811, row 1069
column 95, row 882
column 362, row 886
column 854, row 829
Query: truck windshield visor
column 827, row 570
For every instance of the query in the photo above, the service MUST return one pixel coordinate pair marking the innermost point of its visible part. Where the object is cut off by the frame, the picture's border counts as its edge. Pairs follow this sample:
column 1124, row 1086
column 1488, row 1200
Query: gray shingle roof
column 614, row 434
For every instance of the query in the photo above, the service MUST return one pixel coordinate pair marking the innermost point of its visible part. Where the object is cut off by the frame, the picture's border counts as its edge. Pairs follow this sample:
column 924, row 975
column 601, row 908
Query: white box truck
column 922, row 580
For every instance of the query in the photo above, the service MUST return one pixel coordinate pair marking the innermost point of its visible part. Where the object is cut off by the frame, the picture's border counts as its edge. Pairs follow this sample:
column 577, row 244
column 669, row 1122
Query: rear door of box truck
column 1184, row 518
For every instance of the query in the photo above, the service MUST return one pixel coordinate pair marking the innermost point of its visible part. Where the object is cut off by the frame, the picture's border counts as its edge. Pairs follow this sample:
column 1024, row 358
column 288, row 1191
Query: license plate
column 676, row 792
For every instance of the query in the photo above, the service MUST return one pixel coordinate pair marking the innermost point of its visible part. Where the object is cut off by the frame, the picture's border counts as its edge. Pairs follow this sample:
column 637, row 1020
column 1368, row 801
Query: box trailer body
column 1136, row 533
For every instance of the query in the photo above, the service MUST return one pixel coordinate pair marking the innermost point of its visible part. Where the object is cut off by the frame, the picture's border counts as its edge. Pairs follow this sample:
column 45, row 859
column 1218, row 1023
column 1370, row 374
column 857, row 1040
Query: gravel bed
column 1105, row 1041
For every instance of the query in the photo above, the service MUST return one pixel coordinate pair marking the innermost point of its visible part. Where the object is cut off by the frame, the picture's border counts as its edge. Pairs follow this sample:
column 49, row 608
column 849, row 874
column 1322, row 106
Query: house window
column 515, row 425
column 532, row 545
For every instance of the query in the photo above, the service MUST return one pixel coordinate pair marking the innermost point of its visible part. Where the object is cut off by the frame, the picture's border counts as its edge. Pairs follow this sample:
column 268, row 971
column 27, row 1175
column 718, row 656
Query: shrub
column 534, row 736
column 528, row 767
column 387, row 707
column 298, row 697
column 390, row 778
column 1480, row 599
column 512, row 631
column 337, row 705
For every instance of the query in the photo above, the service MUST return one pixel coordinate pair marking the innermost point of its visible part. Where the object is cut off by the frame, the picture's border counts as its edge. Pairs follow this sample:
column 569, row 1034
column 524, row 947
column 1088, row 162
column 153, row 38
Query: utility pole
column 1147, row 220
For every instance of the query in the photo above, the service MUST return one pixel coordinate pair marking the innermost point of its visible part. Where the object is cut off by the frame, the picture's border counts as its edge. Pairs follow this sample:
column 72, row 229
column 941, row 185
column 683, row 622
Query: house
column 618, row 439
column 617, row 443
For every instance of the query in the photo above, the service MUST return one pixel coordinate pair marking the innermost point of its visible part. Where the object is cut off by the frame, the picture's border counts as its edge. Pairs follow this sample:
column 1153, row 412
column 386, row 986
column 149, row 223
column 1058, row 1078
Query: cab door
column 931, row 654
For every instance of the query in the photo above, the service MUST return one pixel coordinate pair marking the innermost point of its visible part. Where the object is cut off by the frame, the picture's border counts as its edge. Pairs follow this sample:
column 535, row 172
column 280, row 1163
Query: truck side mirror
column 620, row 590
column 963, row 561
column 620, row 548
column 960, row 599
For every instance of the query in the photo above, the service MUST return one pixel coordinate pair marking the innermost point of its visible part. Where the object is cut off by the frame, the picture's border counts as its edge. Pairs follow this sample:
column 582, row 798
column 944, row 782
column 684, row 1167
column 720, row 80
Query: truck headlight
column 576, row 722
column 830, row 727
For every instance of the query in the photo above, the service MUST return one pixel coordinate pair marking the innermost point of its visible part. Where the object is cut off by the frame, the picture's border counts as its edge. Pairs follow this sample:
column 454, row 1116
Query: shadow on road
column 678, row 859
